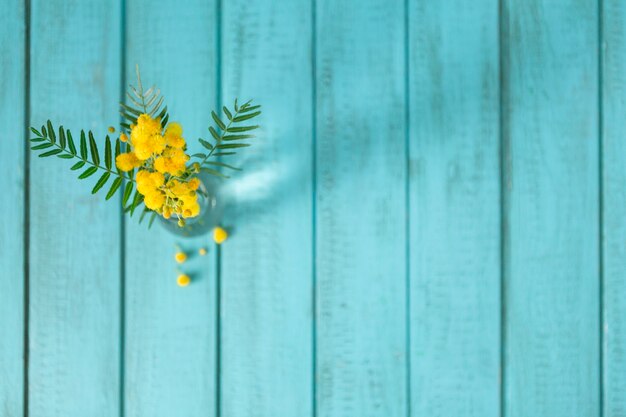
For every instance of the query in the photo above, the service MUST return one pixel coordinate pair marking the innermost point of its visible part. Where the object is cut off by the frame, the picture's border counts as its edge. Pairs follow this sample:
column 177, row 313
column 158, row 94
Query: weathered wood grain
column 454, row 209
column 614, row 207
column 12, row 95
column 360, row 209
column 267, row 270
column 550, row 120
column 74, row 236
column 170, row 332
column 315, row 314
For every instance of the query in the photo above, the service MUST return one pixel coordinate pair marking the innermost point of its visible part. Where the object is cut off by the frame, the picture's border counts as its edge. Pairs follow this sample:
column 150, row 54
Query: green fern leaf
column 51, row 134
column 62, row 139
column 232, row 145
column 100, row 183
column 117, row 182
column 93, row 146
column 128, row 190
column 128, row 117
column 152, row 95
column 250, row 108
column 206, row 144
column 118, row 147
column 50, row 153
column 42, row 146
column 88, row 173
column 83, row 145
column 214, row 133
column 130, row 110
column 156, row 107
column 246, row 117
column 70, row 143
column 149, row 102
column 137, row 200
column 78, row 165
column 239, row 129
column 107, row 153
column 227, row 113
column 218, row 121
column 131, row 98
column 163, row 114
column 237, row 137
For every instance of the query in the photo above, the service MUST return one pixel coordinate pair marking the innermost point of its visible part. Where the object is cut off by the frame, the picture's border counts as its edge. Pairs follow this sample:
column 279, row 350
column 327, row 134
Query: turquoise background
column 432, row 221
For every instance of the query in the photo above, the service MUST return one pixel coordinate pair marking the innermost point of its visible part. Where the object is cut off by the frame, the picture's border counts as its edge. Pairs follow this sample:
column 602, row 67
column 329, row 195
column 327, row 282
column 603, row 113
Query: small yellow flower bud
column 111, row 129
column 202, row 251
column 180, row 257
column 123, row 137
column 183, row 280
column 219, row 235
column 196, row 167
column 181, row 223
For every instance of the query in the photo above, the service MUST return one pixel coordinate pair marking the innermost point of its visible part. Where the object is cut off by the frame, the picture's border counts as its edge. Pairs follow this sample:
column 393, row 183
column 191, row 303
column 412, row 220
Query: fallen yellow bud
column 183, row 280
column 180, row 257
column 219, row 235
column 202, row 251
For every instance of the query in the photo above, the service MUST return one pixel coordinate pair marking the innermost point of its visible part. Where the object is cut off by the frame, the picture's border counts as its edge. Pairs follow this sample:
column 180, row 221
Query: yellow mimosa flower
column 173, row 135
column 146, row 137
column 154, row 200
column 127, row 161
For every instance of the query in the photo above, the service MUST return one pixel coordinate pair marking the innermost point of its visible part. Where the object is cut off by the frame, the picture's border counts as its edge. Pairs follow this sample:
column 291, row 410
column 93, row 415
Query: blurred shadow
column 273, row 176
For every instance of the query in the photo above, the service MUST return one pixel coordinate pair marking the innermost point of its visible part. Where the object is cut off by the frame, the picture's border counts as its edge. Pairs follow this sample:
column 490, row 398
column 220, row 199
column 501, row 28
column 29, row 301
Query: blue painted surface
column 551, row 209
column 431, row 222
column 74, row 264
column 454, row 191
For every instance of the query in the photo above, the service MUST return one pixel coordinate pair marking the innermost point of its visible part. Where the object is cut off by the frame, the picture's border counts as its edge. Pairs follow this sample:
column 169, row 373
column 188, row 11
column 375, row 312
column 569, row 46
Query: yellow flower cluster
column 161, row 159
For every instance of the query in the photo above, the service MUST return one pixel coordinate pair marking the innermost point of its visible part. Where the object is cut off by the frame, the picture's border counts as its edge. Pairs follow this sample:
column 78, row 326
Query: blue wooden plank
column 614, row 207
column 550, row 120
column 74, row 237
column 360, row 209
column 454, row 208
column 170, row 332
column 12, row 96
column 267, row 264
